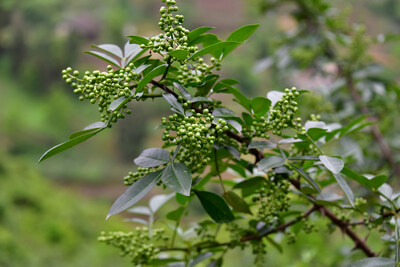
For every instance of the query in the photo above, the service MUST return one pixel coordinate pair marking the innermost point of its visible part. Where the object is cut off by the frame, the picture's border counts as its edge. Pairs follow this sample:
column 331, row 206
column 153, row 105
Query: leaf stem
column 217, row 169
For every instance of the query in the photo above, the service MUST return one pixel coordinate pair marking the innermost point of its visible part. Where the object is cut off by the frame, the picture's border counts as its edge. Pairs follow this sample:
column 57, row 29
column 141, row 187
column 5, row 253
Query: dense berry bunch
column 259, row 251
column 132, row 177
column 274, row 200
column 103, row 88
column 175, row 35
column 196, row 134
column 282, row 115
column 195, row 70
column 136, row 245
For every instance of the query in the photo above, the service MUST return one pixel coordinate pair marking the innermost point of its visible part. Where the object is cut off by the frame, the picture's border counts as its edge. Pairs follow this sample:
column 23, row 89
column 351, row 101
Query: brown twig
column 281, row 227
column 376, row 133
column 359, row 243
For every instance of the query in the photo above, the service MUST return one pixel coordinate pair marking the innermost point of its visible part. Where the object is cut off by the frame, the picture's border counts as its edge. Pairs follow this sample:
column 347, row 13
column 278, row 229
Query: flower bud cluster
column 103, row 88
column 136, row 245
column 273, row 198
column 259, row 249
column 132, row 177
column 196, row 134
column 176, row 37
column 282, row 115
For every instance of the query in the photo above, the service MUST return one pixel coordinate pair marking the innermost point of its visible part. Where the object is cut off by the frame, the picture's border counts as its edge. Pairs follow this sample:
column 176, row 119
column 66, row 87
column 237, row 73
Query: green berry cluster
column 344, row 215
column 259, row 249
column 236, row 232
column 103, row 88
column 136, row 245
column 132, row 177
column 273, row 198
column 258, row 128
column 194, row 71
column 291, row 238
column 196, row 134
column 175, row 36
column 308, row 226
column 282, row 115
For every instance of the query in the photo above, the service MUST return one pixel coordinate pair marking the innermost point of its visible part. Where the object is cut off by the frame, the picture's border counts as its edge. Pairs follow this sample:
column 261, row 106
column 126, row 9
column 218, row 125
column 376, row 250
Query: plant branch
column 281, row 227
column 359, row 243
column 217, row 170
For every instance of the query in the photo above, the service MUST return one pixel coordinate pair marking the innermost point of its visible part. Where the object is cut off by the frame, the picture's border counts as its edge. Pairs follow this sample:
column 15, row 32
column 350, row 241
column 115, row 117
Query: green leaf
column 270, row 162
column 215, row 206
column 200, row 258
column 68, row 144
column 179, row 54
column 238, row 169
column 150, row 76
column 274, row 244
column 152, row 157
column 247, row 118
column 345, row 187
column 312, row 158
column 316, row 133
column 184, row 92
column 175, row 215
column 310, row 180
column 138, row 40
column 261, row 145
column 289, row 141
column 142, row 210
column 197, row 32
column 374, row 262
column 201, row 99
column 243, row 33
column 88, row 129
column 111, row 49
column 240, row 35
column 157, row 201
column 135, row 193
column 224, row 84
column 214, row 48
column 351, row 125
column 370, row 182
column 335, row 165
column 242, row 99
column 236, row 202
column 328, row 199
column 377, row 181
column 224, row 113
column 104, row 57
column 181, row 199
column 116, row 103
column 178, row 178
column 260, row 106
column 205, row 39
column 274, row 96
column 203, row 181
column 249, row 186
column 174, row 103
column 141, row 68
column 170, row 262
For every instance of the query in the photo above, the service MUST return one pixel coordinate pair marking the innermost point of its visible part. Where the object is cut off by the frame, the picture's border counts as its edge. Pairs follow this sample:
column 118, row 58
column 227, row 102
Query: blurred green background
column 52, row 213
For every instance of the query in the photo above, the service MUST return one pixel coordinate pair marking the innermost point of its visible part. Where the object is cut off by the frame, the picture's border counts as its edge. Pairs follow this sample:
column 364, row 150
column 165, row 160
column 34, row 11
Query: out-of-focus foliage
column 44, row 225
column 278, row 173
column 38, row 38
